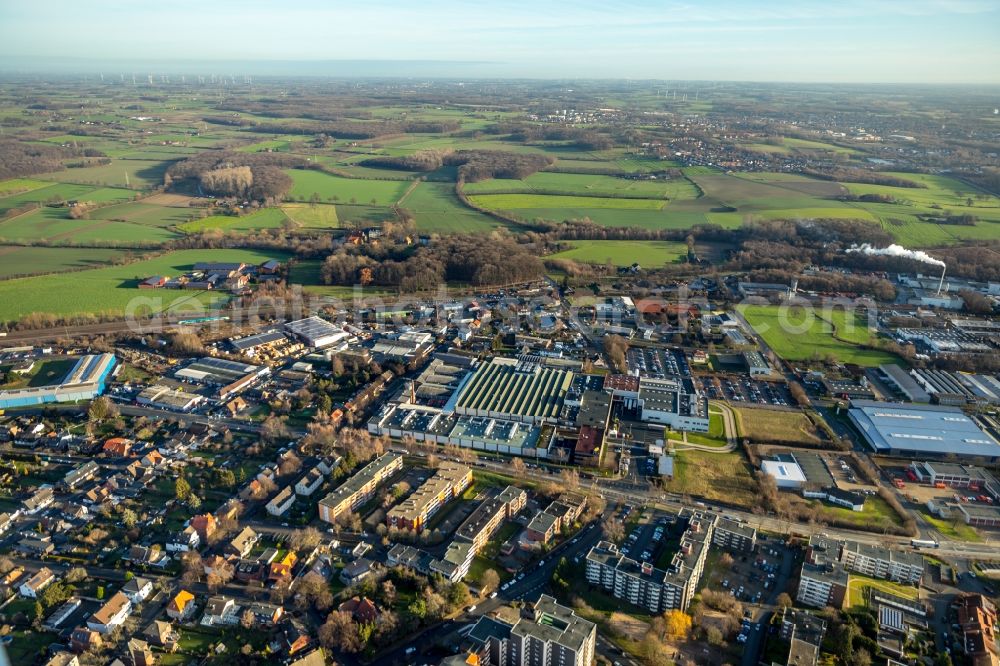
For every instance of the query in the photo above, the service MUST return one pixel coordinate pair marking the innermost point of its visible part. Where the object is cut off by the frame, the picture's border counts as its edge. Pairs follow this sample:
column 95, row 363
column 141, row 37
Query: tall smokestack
column 941, row 284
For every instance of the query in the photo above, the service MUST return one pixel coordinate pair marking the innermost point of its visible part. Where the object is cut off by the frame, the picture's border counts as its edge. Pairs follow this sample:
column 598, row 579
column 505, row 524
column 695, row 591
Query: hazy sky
column 832, row 40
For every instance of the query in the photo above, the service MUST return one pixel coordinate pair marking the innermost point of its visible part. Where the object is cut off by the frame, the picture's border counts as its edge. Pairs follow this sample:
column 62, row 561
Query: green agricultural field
column 519, row 201
column 140, row 174
column 112, row 288
column 344, row 190
column 18, row 261
column 797, row 334
column 312, row 216
column 545, row 182
column 941, row 196
column 437, row 208
column 624, row 253
column 307, row 273
column 145, row 214
column 19, row 185
column 54, row 225
column 268, row 218
column 52, row 193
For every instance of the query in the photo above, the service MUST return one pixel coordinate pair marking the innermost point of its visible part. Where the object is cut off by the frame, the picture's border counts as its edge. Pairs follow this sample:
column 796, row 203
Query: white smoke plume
column 897, row 251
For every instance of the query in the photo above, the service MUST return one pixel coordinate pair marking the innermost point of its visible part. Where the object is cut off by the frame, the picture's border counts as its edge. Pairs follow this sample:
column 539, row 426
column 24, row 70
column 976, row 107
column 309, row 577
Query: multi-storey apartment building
column 359, row 488
column 555, row 637
column 643, row 585
column 450, row 480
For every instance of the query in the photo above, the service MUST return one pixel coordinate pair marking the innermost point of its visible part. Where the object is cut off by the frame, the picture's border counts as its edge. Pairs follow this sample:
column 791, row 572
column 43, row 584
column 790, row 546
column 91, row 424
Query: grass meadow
column 797, row 334
column 624, row 253
column 110, row 289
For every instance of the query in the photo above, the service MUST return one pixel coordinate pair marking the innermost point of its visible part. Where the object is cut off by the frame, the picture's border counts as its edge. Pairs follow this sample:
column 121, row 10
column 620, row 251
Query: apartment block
column 450, row 480
column 643, row 585
column 359, row 488
column 734, row 535
column 555, row 637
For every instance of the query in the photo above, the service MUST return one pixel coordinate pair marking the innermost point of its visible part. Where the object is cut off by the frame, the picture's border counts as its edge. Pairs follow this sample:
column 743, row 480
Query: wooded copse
column 19, row 158
column 479, row 260
column 226, row 173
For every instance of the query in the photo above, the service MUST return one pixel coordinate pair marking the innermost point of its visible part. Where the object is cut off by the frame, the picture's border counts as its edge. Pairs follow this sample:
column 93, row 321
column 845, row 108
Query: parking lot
column 657, row 363
column 741, row 388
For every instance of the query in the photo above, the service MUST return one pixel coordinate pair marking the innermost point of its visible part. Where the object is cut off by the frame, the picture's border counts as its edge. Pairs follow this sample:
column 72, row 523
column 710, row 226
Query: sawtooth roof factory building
column 922, row 431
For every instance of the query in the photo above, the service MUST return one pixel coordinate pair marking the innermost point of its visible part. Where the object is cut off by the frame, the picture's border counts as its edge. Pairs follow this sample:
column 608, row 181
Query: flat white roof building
column 316, row 332
column 785, row 474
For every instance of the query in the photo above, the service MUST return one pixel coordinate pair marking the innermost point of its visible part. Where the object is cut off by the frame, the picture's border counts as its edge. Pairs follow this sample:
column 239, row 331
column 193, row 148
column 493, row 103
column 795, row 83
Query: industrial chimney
column 941, row 283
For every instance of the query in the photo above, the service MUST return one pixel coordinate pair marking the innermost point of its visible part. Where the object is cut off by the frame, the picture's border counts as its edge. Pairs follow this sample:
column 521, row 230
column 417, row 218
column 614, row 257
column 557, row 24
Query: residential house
column 7, row 521
column 243, row 543
column 266, row 615
column 543, row 527
column 112, row 614
column 83, row 639
column 220, row 611
column 362, row 609
column 32, row 587
column 205, row 525
column 63, row 659
column 281, row 571
column 138, row 589
column 185, row 540
column 282, row 502
column 356, row 571
column 80, row 475
column 163, row 635
column 139, row 653
column 37, row 547
column 148, row 556
column 40, row 499
column 118, row 447
column 181, row 607
column 310, row 482
column 296, row 637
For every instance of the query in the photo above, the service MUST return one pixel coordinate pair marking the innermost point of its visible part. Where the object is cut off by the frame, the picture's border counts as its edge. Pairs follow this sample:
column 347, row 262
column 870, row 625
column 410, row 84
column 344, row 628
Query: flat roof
column 257, row 339
column 783, row 471
column 921, row 429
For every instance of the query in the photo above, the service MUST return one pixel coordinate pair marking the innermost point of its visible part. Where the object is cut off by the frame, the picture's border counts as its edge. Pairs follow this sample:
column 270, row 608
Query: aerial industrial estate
column 324, row 369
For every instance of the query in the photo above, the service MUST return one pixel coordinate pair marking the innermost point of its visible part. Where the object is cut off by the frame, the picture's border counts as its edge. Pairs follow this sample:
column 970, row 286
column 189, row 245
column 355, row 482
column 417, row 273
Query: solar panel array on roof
column 506, row 387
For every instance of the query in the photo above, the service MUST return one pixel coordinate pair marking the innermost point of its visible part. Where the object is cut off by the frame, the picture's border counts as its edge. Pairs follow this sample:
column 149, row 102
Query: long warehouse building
column 922, row 431
column 84, row 381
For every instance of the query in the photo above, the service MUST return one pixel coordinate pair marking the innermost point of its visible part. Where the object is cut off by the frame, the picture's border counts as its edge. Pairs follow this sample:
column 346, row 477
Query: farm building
column 926, row 431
